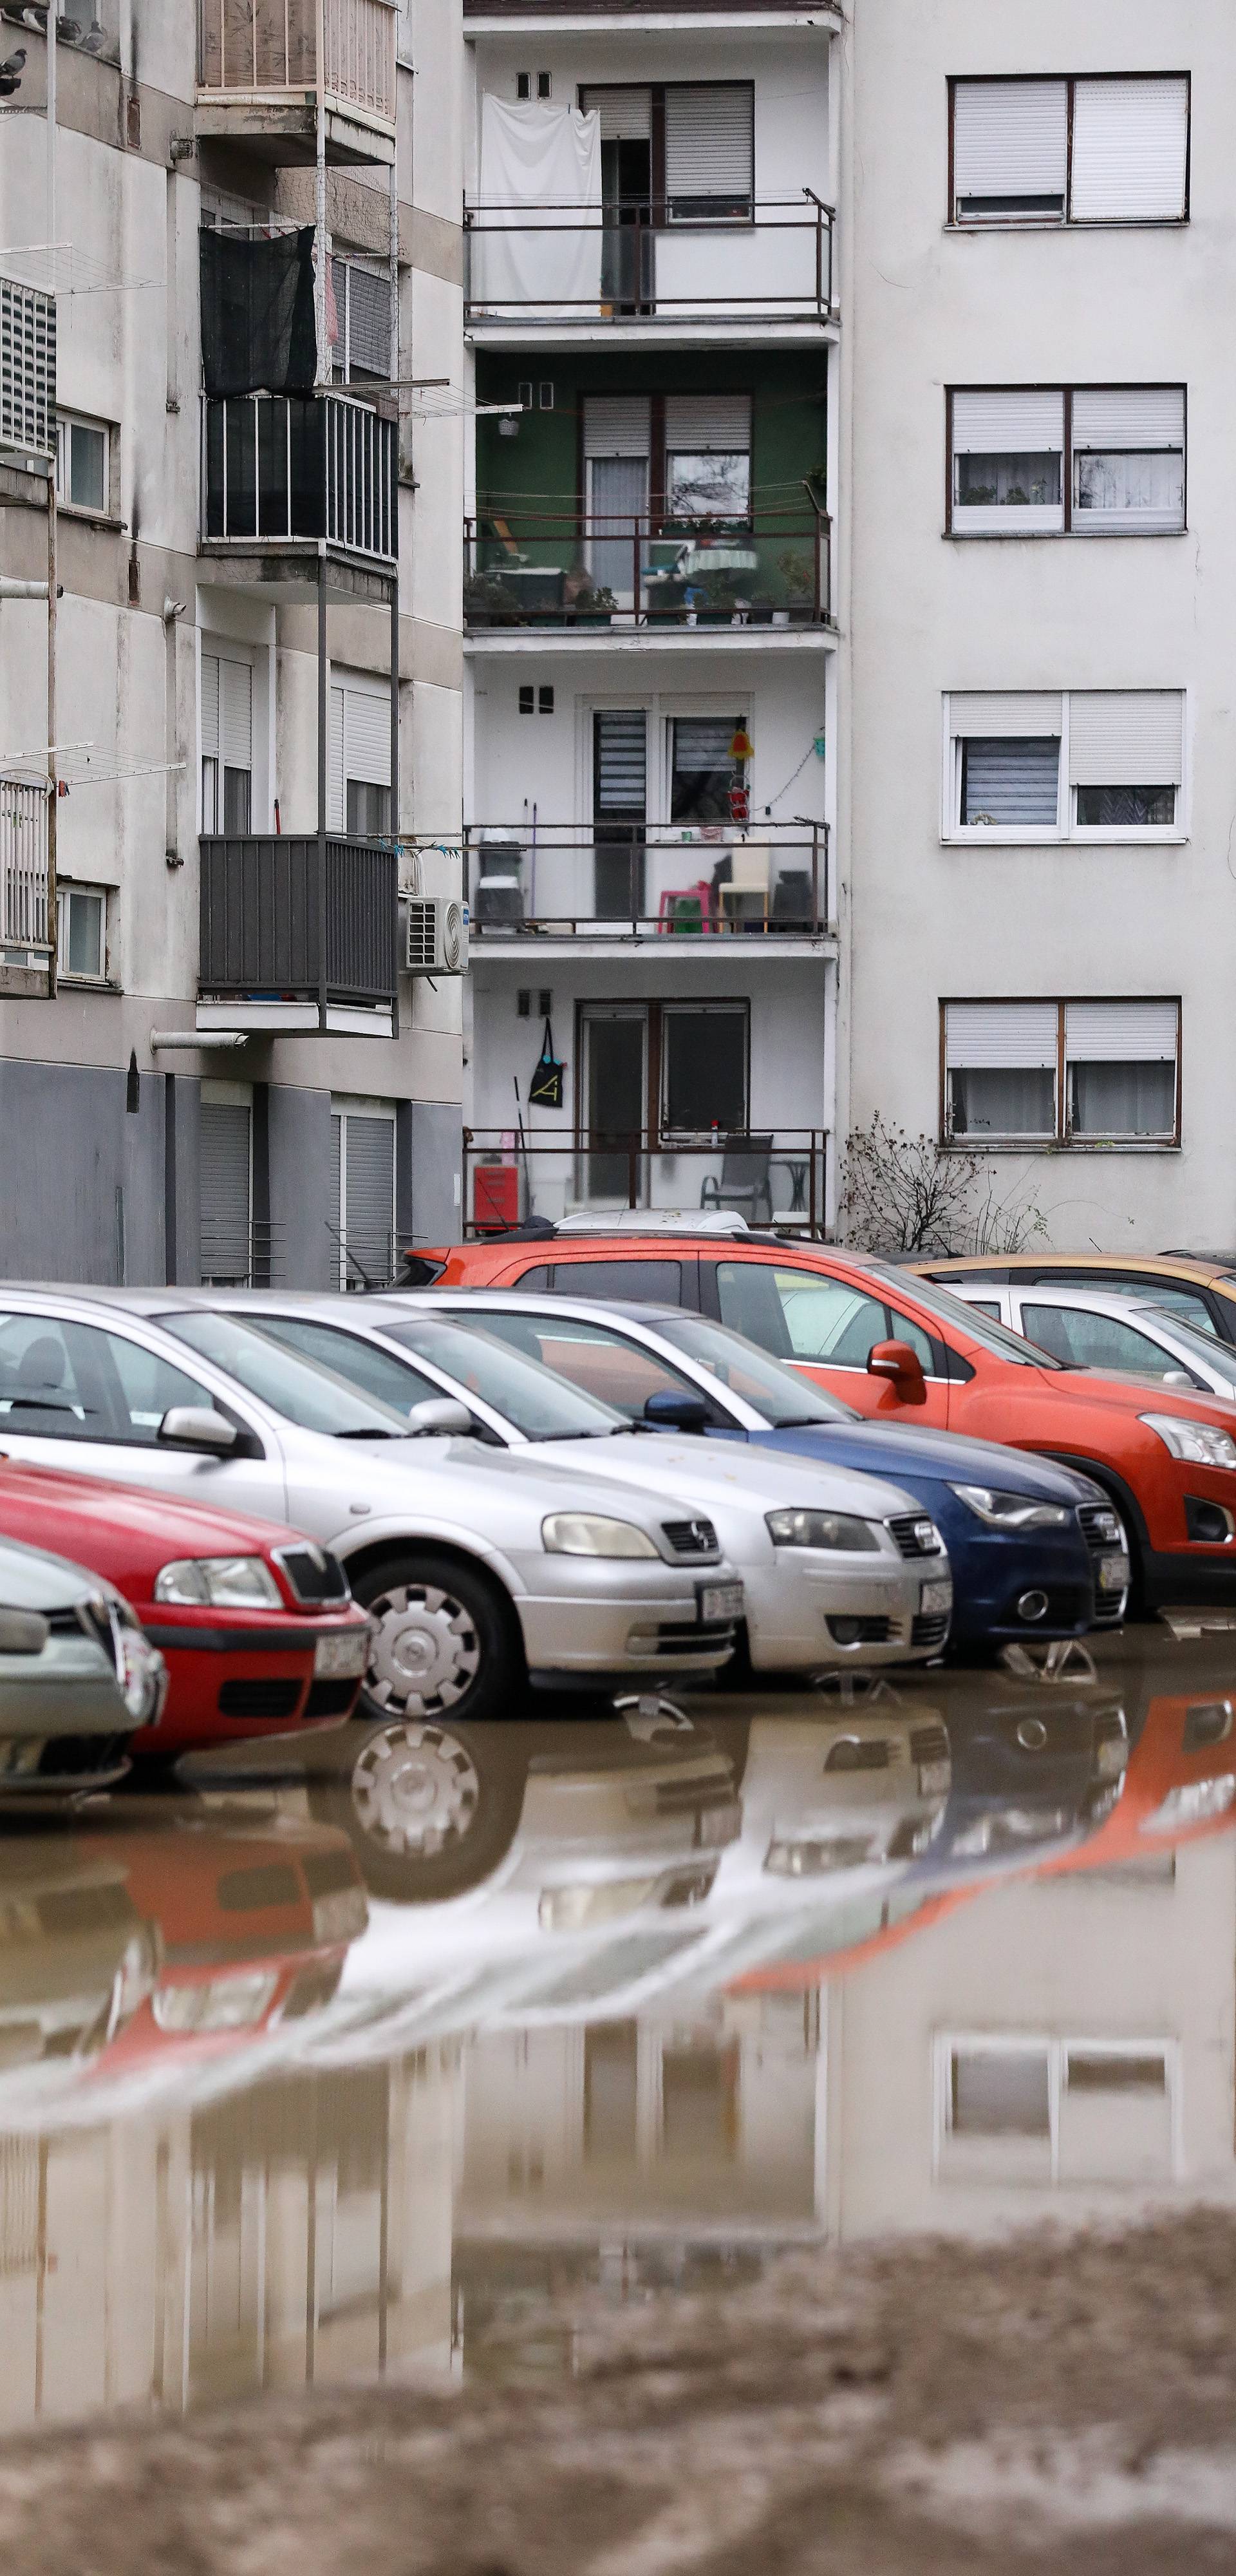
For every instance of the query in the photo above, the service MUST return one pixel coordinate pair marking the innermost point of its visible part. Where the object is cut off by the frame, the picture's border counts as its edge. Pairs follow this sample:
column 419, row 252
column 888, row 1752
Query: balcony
column 25, row 941
column 703, row 886
column 258, row 75
column 592, row 578
column 27, row 377
column 776, row 1177
column 628, row 269
column 264, row 963
column 280, row 472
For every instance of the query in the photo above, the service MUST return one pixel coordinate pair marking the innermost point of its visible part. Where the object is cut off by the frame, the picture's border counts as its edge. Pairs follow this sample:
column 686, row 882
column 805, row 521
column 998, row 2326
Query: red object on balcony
column 740, row 805
column 495, row 1194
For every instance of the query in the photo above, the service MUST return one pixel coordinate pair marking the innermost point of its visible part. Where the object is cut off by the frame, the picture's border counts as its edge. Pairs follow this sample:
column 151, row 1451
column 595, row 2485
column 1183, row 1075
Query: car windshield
column 1209, row 1353
column 784, row 1399
column 315, row 1398
column 530, row 1397
column 979, row 1329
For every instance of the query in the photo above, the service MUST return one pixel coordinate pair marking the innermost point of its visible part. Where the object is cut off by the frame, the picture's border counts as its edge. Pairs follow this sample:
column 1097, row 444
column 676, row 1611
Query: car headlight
column 811, row 1855
column 590, row 1534
column 226, row 1582
column 1011, row 1511
column 143, row 1676
column 822, row 1529
column 1194, row 1803
column 223, row 2003
column 1200, row 1442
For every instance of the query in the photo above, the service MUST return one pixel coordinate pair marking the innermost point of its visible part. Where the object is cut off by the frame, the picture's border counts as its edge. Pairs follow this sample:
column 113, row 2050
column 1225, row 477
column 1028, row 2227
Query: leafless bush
column 902, row 1193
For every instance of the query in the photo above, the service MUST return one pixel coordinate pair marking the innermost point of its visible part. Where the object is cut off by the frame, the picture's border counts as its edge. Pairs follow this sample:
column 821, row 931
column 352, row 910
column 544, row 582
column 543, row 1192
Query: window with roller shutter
column 361, row 310
column 225, row 1165
column 227, row 743
column 363, row 1167
column 707, row 456
column 358, row 758
column 1045, row 765
column 1003, row 1062
column 1099, row 149
column 1081, row 460
column 709, row 151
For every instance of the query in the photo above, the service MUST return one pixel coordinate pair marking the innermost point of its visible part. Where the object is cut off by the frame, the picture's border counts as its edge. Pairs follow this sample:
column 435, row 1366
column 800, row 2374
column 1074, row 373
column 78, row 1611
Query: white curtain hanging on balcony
column 536, row 242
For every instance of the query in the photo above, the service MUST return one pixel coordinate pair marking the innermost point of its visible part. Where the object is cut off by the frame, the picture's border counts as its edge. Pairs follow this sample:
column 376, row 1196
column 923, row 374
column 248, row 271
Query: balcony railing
column 625, row 262
column 640, row 881
column 776, row 1177
column 266, row 48
column 23, row 864
column 27, row 371
column 558, row 569
column 261, row 927
column 281, row 466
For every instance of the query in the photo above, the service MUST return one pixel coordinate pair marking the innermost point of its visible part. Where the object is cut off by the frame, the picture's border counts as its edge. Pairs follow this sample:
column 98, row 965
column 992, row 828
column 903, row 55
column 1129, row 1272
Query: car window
column 515, row 1382
column 774, row 1390
column 364, row 1364
column 539, row 1280
column 659, row 1282
column 985, row 1306
column 66, row 1381
column 828, row 1319
column 748, row 1302
column 302, row 1390
column 597, row 1361
column 1086, row 1340
column 977, row 1328
column 1184, row 1302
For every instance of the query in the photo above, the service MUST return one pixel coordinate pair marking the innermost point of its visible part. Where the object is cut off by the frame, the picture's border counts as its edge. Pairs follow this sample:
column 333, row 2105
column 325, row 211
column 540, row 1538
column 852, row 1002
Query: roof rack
column 725, row 1221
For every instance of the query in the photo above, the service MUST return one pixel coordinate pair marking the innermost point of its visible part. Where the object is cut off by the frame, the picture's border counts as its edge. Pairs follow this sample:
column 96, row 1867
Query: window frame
column 652, row 1012
column 106, row 511
column 66, row 889
column 1068, row 464
column 1063, row 1140
column 1067, row 829
column 1066, row 221
column 1057, row 2049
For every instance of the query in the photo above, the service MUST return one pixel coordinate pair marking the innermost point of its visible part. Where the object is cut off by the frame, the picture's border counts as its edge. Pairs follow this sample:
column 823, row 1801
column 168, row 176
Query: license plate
column 342, row 1657
column 935, row 1779
column 718, row 1826
column 720, row 1601
column 935, row 1597
column 1113, row 1573
column 341, row 1916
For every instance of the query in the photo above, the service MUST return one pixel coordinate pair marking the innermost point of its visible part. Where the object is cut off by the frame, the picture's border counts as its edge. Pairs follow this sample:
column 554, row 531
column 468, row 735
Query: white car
column 480, row 1569
column 837, row 1567
column 1110, row 1331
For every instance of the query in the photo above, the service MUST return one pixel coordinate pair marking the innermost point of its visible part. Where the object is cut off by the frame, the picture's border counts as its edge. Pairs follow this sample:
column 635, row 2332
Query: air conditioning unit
column 437, row 935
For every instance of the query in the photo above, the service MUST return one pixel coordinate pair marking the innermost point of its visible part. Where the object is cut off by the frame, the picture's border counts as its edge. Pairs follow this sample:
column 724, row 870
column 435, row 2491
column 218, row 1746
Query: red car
column 902, row 1348
column 258, row 1626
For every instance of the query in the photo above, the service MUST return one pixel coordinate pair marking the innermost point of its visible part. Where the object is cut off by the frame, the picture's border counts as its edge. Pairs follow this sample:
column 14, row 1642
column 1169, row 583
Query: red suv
column 258, row 1626
column 901, row 1347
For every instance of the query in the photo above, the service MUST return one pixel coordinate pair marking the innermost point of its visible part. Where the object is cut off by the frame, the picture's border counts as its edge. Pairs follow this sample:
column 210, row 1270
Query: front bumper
column 250, row 1675
column 598, row 1617
column 1189, row 1577
column 800, row 1606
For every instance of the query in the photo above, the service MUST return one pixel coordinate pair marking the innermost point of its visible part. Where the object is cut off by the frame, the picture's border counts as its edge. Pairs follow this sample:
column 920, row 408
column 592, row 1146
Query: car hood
column 1130, row 1393
column 707, row 1470
column 169, row 1526
column 461, row 1478
column 946, row 1457
column 32, row 1579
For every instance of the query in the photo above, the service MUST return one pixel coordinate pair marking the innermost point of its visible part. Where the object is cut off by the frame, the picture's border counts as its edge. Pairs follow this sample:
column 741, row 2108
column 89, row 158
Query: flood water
column 695, row 1985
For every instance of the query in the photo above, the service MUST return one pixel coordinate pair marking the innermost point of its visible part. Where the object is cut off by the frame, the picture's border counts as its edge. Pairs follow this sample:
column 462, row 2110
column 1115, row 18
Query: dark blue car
column 1037, row 1551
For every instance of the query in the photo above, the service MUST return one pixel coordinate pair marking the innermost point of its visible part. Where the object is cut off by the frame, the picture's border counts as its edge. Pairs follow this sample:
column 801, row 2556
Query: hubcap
column 415, row 1790
column 426, row 1653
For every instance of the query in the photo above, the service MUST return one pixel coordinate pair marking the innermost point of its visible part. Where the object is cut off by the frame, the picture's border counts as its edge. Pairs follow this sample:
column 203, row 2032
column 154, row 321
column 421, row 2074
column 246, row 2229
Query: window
column 65, row 1381
column 703, row 1068
column 377, row 1372
column 81, row 928
column 703, row 773
column 1125, row 468
column 1031, row 2108
column 1084, row 1339
column 358, row 313
column 227, row 744
column 83, row 462
column 709, row 151
column 596, row 1359
column 1040, row 765
column 226, row 1184
column 1095, row 151
column 1003, row 1060
column 358, row 752
column 825, row 1319
column 1000, row 2093
column 363, row 1145
column 707, row 456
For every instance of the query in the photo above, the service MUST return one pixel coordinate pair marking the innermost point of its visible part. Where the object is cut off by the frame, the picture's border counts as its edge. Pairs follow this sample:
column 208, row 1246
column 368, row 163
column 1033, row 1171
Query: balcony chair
column 686, row 908
column 792, row 907
column 744, row 1183
column 749, row 876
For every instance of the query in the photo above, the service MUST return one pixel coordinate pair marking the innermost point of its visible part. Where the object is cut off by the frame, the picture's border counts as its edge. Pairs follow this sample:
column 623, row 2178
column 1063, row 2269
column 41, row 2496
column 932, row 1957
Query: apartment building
column 1036, row 782
column 653, row 309
column 214, row 1062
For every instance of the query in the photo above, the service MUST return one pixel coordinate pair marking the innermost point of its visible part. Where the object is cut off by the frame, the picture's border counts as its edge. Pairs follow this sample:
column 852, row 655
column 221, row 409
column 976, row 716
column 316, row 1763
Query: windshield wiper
column 372, row 1431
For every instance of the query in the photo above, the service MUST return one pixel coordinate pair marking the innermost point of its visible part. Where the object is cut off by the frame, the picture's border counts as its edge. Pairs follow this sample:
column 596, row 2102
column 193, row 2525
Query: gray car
column 77, row 1676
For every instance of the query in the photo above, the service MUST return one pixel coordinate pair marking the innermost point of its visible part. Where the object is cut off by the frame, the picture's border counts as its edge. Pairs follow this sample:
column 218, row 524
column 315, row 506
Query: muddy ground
column 900, row 2411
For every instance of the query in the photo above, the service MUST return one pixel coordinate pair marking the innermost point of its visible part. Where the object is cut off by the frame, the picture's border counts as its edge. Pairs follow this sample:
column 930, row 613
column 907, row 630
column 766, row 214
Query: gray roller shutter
column 994, row 424
column 210, row 706
column 369, row 1192
column 1005, row 711
column 1126, row 737
column 1130, row 150
column 235, row 714
column 625, row 114
column 707, row 424
column 1123, row 416
column 621, row 758
column 224, row 1168
column 1121, row 1032
column 364, row 309
column 710, row 144
column 358, row 745
column 992, row 1034
column 1010, row 140
column 617, row 425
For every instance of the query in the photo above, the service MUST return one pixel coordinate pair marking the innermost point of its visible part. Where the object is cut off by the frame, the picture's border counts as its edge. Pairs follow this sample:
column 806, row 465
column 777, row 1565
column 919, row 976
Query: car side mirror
column 670, row 1411
column 1180, row 1377
column 439, row 1418
column 199, row 1427
column 902, row 1367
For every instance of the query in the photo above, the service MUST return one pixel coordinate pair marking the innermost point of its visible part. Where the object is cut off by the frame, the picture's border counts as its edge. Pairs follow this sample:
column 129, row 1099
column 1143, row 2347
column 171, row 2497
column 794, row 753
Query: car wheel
column 442, row 1644
column 430, row 1808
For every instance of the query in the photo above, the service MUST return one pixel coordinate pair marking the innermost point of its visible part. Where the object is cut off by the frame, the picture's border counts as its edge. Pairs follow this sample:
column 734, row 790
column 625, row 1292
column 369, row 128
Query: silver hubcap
column 426, row 1653
column 415, row 1790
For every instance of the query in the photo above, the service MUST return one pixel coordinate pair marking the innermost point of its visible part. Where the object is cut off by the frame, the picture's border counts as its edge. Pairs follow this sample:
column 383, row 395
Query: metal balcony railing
column 774, row 1177
column 266, row 48
column 627, row 261
column 644, row 880
column 261, row 931
column 549, row 568
column 281, row 466
column 23, row 864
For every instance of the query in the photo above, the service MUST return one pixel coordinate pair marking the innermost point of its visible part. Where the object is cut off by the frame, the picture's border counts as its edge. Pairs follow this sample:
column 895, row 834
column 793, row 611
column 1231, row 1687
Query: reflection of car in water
column 1181, row 1779
column 1032, row 1770
column 827, row 1792
column 76, row 1677
column 76, row 1959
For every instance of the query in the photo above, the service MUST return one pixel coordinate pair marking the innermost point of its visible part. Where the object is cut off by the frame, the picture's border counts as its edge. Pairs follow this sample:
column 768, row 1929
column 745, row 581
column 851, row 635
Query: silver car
column 77, row 1676
column 479, row 1568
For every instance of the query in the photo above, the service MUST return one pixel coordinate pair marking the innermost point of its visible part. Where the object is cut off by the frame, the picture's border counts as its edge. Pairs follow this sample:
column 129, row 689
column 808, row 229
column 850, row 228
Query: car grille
column 870, row 1631
column 929, row 1744
column 330, row 1699
column 691, row 1538
column 83, row 1621
column 689, row 1797
column 860, row 1753
column 259, row 1699
column 314, row 1574
column 910, row 1529
column 688, row 1641
column 69, row 1757
column 929, row 1628
column 1097, row 1539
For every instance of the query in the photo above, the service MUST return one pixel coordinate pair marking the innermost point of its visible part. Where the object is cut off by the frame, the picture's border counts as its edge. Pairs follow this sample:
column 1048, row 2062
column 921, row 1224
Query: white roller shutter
column 1130, row 150
column 1126, row 416
column 1120, row 1032
column 708, row 424
column 625, row 114
column 1009, row 138
column 236, row 714
column 367, row 736
column 988, row 1035
column 617, row 425
column 224, row 1183
column 1004, row 711
column 994, row 424
column 1125, row 737
column 709, row 140
column 334, row 762
column 210, row 706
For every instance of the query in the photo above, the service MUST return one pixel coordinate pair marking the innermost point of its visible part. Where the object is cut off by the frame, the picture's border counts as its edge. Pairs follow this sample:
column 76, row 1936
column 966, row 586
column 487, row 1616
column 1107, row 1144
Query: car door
column 90, row 1397
column 827, row 1327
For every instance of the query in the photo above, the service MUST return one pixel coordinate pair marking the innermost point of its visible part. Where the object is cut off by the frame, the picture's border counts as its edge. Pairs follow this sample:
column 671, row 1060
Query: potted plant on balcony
column 798, row 573
column 489, row 601
column 591, row 607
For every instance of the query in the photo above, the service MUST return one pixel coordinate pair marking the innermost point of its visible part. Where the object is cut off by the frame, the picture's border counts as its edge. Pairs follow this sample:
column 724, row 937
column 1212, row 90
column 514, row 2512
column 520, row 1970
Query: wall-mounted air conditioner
column 436, row 940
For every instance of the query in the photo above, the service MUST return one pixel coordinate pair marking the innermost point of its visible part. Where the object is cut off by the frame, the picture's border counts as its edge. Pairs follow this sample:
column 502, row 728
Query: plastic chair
column 686, row 908
column 750, row 870
column 744, row 1184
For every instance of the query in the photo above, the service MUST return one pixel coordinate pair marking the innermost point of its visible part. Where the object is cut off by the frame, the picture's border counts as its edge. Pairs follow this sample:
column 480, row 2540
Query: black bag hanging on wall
column 545, row 1088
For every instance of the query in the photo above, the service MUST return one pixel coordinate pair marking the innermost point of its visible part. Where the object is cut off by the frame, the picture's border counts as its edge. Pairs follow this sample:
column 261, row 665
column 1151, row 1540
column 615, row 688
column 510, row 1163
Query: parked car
column 1035, row 1549
column 256, row 1625
column 77, row 1957
column 77, row 1677
column 1200, row 1287
column 901, row 1347
column 475, row 1575
column 836, row 1567
column 1101, row 1329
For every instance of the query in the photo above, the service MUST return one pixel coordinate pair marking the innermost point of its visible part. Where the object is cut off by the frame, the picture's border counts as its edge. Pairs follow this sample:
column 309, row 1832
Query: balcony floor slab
column 672, row 331
column 290, row 565
column 526, row 949
column 294, row 1019
column 281, row 130
column 481, row 642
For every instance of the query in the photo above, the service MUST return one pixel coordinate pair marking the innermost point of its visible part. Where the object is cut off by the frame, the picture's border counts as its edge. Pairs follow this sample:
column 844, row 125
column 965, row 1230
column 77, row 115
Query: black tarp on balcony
column 259, row 333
